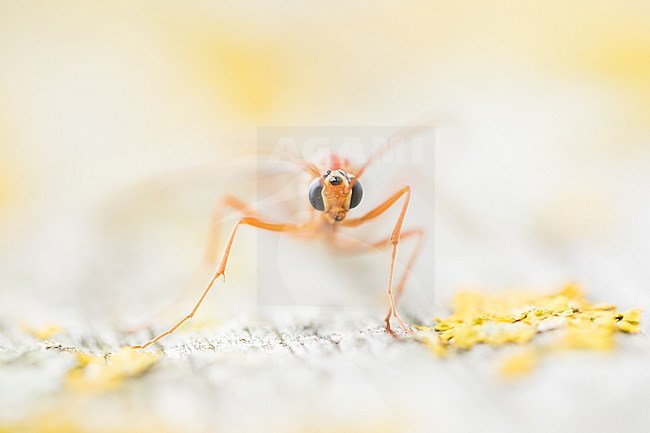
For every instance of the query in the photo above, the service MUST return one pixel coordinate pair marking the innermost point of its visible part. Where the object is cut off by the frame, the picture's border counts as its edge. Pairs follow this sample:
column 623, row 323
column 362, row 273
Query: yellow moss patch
column 516, row 318
column 44, row 331
column 100, row 374
column 630, row 321
column 519, row 364
column 43, row 425
column 69, row 419
column 437, row 345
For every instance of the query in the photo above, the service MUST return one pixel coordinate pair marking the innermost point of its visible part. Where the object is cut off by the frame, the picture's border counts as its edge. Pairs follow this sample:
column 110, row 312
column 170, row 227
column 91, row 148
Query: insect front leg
column 393, row 240
column 209, row 255
column 228, row 201
column 414, row 255
column 362, row 247
column 221, row 268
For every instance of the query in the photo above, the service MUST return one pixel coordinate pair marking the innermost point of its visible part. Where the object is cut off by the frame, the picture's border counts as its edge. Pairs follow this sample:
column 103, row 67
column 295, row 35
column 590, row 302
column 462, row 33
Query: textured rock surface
column 305, row 374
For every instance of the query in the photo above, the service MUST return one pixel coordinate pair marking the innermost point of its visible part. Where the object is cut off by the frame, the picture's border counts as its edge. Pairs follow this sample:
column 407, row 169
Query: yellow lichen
column 44, row 331
column 630, row 321
column 516, row 318
column 519, row 364
column 100, row 374
column 437, row 345
column 68, row 417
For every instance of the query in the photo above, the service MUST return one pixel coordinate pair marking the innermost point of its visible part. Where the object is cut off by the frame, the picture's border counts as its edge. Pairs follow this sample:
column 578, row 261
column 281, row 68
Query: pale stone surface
column 328, row 372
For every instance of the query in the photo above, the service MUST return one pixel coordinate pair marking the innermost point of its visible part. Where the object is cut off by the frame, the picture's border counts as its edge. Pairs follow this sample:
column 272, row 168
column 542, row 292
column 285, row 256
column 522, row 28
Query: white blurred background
column 122, row 123
column 116, row 120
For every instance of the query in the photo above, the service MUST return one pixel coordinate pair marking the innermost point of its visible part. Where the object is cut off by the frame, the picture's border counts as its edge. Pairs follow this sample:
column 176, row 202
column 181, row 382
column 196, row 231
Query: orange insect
column 335, row 190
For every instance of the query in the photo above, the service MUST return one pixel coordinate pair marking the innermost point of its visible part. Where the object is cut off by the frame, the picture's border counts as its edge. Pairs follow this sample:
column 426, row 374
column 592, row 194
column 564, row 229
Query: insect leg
column 392, row 240
column 209, row 256
column 361, row 247
column 414, row 255
column 221, row 268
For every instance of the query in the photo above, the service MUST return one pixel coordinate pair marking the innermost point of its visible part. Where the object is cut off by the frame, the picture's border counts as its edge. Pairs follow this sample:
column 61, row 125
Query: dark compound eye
column 357, row 194
column 316, row 195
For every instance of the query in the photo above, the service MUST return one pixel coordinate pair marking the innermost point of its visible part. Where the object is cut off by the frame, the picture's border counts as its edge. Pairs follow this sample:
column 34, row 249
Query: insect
column 335, row 191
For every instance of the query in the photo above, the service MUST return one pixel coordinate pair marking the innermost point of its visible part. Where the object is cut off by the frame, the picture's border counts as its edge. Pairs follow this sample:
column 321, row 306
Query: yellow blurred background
column 103, row 105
